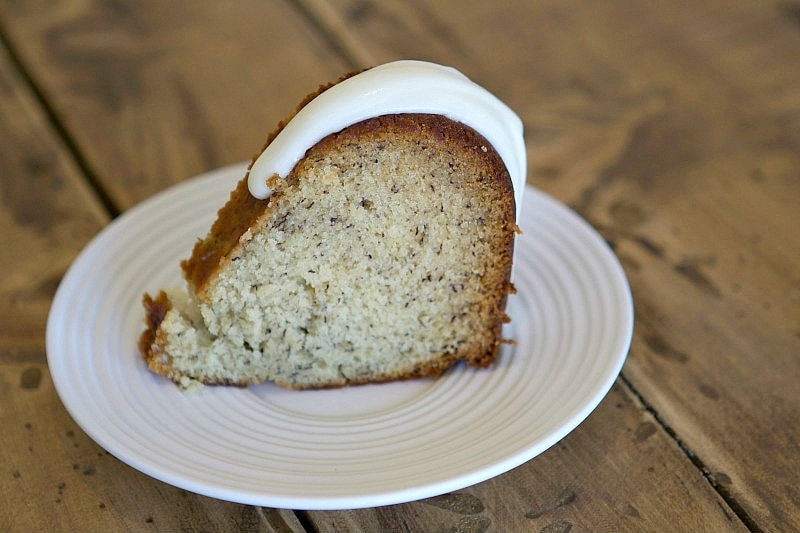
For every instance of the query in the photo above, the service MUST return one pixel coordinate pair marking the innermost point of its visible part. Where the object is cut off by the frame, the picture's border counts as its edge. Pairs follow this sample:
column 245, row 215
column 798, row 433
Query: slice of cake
column 362, row 246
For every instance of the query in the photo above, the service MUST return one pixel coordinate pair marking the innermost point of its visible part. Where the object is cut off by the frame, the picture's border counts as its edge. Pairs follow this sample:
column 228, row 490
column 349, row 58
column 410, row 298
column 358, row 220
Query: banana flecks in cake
column 383, row 258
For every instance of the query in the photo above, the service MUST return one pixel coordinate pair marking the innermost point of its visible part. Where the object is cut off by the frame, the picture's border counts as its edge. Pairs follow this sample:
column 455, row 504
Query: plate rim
column 346, row 502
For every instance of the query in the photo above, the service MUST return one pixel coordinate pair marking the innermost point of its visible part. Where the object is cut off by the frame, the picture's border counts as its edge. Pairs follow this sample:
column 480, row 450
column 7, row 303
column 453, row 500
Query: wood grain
column 157, row 92
column 613, row 473
column 42, row 230
column 52, row 476
column 55, row 478
column 675, row 129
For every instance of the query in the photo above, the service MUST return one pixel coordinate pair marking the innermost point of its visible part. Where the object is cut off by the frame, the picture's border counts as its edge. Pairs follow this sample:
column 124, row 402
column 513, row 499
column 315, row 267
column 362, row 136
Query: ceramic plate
column 336, row 449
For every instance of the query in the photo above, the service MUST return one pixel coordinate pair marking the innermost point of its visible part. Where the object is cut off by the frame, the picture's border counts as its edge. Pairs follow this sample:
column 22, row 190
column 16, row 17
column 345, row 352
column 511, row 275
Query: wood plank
column 602, row 94
column 674, row 128
column 156, row 92
column 53, row 477
column 613, row 473
column 47, row 214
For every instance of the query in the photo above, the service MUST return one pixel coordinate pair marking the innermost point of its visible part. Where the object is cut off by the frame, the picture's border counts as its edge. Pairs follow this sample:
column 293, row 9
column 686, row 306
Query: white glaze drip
column 398, row 87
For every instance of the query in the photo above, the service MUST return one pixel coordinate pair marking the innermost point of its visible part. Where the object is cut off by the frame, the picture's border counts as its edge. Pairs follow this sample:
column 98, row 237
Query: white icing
column 398, row 87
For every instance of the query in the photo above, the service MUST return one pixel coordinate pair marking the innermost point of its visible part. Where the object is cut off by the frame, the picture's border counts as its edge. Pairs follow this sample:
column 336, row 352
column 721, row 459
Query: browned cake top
column 243, row 210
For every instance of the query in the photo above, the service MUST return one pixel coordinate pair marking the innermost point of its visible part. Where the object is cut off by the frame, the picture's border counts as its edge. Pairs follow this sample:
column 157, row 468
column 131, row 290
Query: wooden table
column 672, row 127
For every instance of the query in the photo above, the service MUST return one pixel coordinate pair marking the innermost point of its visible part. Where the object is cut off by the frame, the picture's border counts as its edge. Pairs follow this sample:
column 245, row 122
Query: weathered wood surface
column 614, row 473
column 673, row 127
column 154, row 92
column 52, row 476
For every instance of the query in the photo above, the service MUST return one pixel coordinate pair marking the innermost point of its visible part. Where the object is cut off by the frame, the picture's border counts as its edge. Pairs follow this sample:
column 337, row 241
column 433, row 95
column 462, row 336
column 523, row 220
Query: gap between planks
column 329, row 22
column 52, row 117
column 723, row 493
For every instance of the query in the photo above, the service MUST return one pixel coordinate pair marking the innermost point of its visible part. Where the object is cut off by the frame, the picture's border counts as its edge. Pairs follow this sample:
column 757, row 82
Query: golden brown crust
column 243, row 211
column 155, row 311
column 239, row 213
column 211, row 254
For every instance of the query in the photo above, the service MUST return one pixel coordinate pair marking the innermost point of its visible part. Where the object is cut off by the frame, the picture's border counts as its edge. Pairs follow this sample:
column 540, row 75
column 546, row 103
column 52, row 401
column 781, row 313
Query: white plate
column 336, row 449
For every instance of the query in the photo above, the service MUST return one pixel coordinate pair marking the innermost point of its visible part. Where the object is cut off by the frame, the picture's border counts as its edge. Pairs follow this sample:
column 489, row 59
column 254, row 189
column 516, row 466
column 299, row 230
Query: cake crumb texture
column 385, row 254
